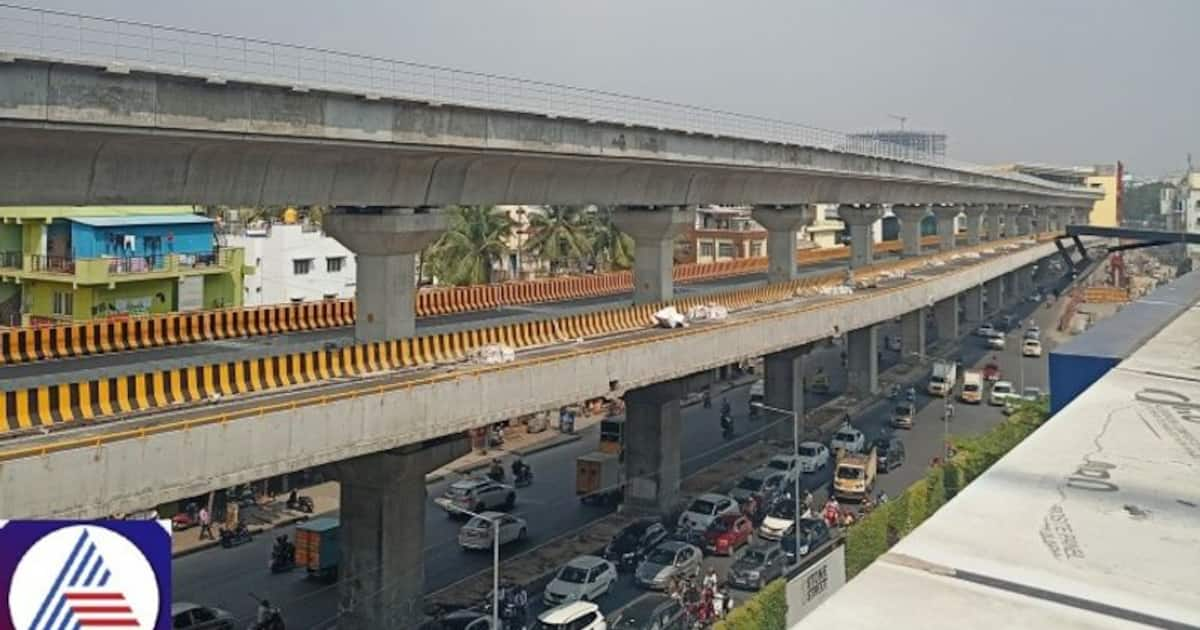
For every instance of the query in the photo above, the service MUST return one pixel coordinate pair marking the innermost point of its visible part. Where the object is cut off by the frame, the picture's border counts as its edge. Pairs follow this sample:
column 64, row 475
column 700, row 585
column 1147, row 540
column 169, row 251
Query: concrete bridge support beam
column 652, row 443
column 910, row 228
column 861, row 220
column 386, row 241
column 782, row 223
column 945, row 318
column 862, row 355
column 974, row 214
column 947, row 236
column 1025, row 221
column 994, row 220
column 783, row 384
column 653, row 230
column 381, row 581
column 995, row 295
column 973, row 305
column 912, row 334
column 1011, row 214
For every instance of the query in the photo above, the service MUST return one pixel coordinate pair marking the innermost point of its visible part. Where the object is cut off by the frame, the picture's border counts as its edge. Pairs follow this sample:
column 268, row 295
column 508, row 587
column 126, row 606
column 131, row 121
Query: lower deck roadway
column 222, row 577
column 36, row 373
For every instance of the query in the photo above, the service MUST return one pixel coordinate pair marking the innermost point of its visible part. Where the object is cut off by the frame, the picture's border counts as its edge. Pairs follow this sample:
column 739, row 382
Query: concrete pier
column 783, row 223
column 973, row 217
column 994, row 219
column 947, row 235
column 862, row 355
column 652, row 461
column 910, row 227
column 945, row 318
column 653, row 230
column 912, row 334
column 973, row 310
column 783, row 383
column 861, row 220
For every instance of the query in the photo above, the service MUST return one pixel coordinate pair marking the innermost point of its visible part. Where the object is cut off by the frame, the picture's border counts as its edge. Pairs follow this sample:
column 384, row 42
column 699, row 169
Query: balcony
column 112, row 270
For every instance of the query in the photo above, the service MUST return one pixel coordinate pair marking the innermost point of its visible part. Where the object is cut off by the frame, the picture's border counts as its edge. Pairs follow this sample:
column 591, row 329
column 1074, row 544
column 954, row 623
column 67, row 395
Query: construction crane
column 902, row 119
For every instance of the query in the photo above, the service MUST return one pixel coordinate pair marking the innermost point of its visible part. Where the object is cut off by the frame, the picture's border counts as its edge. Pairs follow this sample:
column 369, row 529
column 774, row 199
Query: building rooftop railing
column 108, row 41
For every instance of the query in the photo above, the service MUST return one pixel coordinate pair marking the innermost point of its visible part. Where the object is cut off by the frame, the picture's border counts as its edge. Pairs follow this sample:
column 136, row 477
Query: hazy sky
column 1060, row 81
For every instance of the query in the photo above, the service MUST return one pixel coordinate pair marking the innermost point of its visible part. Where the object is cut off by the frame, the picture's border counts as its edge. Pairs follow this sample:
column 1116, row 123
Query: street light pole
column 495, row 562
column 796, row 419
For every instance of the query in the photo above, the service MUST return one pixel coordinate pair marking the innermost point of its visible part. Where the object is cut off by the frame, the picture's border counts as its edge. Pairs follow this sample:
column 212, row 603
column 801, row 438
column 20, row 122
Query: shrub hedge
column 767, row 610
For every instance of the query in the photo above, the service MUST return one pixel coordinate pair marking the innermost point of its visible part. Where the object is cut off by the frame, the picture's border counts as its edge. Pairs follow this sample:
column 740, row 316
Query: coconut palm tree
column 477, row 237
column 561, row 236
column 612, row 248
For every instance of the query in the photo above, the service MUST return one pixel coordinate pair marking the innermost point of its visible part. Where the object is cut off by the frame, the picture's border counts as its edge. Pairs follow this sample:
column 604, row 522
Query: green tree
column 612, row 248
column 561, row 236
column 477, row 237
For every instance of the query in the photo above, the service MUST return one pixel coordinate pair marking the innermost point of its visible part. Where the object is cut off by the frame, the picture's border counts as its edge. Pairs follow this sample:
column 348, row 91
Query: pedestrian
column 205, row 523
column 521, row 607
column 728, row 599
column 710, row 579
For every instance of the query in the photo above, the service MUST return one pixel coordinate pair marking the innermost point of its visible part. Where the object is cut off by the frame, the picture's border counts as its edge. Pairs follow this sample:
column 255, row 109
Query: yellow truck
column 854, row 476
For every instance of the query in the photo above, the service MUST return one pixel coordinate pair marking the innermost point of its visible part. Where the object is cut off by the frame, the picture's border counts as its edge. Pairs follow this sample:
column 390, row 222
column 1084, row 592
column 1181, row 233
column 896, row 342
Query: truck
column 854, row 476
column 943, row 378
column 317, row 548
column 599, row 477
column 972, row 389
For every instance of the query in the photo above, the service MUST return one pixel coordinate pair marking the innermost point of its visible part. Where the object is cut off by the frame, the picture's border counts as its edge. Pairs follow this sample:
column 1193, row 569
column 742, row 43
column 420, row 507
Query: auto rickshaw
column 819, row 383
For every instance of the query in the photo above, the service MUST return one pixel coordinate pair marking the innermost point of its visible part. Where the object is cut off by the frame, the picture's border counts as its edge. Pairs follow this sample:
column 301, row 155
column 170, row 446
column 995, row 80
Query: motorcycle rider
column 520, row 469
column 283, row 551
column 707, row 398
column 726, row 424
column 267, row 617
column 496, row 472
column 725, row 408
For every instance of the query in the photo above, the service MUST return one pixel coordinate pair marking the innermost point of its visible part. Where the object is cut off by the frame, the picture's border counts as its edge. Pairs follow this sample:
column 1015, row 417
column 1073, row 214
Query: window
column 756, row 249
column 64, row 303
column 707, row 249
column 330, row 296
column 726, row 250
column 297, row 300
column 334, row 264
column 301, row 266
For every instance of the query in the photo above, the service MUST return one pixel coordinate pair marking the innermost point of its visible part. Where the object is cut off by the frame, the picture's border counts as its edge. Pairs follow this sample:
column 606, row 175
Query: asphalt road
column 169, row 357
column 224, row 578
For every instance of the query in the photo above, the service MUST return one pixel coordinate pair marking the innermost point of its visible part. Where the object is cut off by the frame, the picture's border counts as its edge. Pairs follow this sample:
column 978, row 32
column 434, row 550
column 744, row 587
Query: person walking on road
column 205, row 523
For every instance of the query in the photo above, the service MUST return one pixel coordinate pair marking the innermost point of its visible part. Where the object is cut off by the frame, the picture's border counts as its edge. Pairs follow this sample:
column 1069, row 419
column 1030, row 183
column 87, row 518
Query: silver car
column 196, row 617
column 668, row 560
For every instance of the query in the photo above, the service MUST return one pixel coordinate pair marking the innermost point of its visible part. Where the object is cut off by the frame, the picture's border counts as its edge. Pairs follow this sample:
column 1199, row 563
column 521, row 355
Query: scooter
column 727, row 427
column 240, row 535
column 300, row 503
column 524, row 478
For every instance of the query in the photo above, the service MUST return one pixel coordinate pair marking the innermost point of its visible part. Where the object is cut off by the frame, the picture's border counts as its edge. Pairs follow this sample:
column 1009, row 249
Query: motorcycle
column 300, row 503
column 895, row 392
column 274, row 621
column 523, row 478
column 283, row 556
column 240, row 535
column 727, row 427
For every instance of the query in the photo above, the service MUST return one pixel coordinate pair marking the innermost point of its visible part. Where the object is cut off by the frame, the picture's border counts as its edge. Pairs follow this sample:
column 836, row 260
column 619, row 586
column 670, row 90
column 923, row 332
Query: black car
column 759, row 565
column 631, row 544
column 813, row 534
column 466, row 619
column 651, row 612
column 890, row 451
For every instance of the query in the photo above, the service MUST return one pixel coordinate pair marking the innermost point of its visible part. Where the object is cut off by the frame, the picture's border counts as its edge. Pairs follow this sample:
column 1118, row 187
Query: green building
column 70, row 264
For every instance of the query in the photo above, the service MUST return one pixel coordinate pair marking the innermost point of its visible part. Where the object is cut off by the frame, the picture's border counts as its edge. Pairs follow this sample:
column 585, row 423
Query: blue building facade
column 130, row 237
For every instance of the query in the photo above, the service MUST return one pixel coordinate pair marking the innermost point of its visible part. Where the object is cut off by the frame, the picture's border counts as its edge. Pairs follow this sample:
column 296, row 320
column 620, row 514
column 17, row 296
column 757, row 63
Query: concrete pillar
column 912, row 334
column 862, row 356
column 1011, row 229
column 782, row 223
column 1011, row 287
column 652, row 443
column 1083, row 215
column 381, row 575
column 861, row 219
column 910, row 227
column 994, row 217
column 1025, row 221
column 386, row 242
column 945, row 317
column 783, row 387
column 974, row 219
column 653, row 231
column 995, row 294
column 947, row 237
column 973, row 305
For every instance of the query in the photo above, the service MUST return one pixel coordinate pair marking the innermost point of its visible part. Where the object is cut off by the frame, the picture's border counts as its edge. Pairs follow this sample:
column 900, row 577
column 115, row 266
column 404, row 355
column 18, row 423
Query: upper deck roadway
column 104, row 111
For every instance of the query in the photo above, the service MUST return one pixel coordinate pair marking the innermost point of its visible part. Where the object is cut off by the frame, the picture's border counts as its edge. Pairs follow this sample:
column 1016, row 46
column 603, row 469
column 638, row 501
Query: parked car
column 996, row 341
column 759, row 565
column 477, row 533
column 889, row 452
column 813, row 456
column 1001, row 391
column 813, row 533
column 705, row 509
column 1031, row 348
column 789, row 465
column 668, row 560
column 985, row 330
column 632, row 543
column 902, row 415
column 476, row 494
column 650, row 612
column 196, row 617
column 573, row 616
column 763, row 483
column 1031, row 393
column 727, row 534
column 848, row 439
column 584, row 578
column 778, row 520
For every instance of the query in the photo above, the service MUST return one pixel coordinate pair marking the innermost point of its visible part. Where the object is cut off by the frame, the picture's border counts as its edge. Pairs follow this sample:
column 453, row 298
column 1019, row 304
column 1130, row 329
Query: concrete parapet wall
column 130, row 474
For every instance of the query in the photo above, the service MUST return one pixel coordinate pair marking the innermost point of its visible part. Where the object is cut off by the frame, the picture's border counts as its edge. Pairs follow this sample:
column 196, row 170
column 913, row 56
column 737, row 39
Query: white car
column 573, row 616
column 1001, row 392
column 585, row 578
column 985, row 330
column 813, row 456
column 849, row 439
column 1031, row 348
column 789, row 465
column 705, row 509
column 1032, row 394
column 779, row 519
column 995, row 341
column 476, row 494
column 477, row 533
